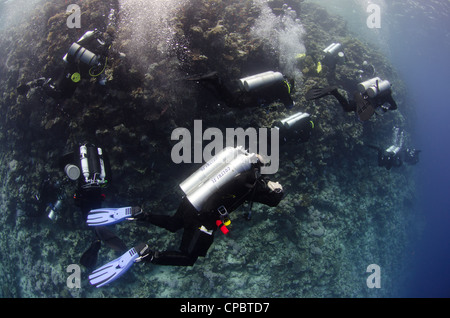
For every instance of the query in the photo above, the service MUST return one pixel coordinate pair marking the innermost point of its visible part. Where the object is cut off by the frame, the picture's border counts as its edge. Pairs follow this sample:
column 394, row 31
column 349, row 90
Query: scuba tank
column 202, row 174
column 260, row 80
column 333, row 52
column 364, row 86
column 332, row 49
column 380, row 88
column 84, row 162
column 374, row 87
column 77, row 53
column 102, row 164
column 292, row 120
column 90, row 167
column 296, row 127
column 216, row 178
column 393, row 149
column 86, row 36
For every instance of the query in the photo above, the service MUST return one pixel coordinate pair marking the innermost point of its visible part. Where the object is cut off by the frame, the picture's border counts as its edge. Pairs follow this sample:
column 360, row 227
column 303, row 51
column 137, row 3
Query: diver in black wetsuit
column 253, row 91
column 215, row 190
column 88, row 165
column 200, row 221
column 389, row 159
column 372, row 94
column 395, row 155
column 86, row 58
column 296, row 128
column 198, row 228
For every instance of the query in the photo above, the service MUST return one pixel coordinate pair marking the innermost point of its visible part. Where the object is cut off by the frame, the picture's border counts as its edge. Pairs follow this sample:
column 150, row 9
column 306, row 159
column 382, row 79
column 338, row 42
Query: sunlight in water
column 283, row 34
column 147, row 26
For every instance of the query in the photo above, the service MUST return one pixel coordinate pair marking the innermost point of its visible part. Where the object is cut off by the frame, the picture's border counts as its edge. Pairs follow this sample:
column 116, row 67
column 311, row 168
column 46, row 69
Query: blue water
column 420, row 50
column 415, row 35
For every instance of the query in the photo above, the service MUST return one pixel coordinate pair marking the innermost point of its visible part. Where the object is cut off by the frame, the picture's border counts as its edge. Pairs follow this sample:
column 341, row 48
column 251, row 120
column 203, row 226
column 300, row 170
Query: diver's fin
column 89, row 258
column 315, row 93
column 110, row 239
column 364, row 108
column 108, row 216
column 114, row 269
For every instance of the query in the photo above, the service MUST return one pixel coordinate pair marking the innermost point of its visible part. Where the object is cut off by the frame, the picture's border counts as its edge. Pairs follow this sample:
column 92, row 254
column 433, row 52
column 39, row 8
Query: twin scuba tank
column 260, row 80
column 77, row 53
column 374, row 87
column 90, row 167
column 215, row 174
column 292, row 120
column 87, row 166
column 334, row 53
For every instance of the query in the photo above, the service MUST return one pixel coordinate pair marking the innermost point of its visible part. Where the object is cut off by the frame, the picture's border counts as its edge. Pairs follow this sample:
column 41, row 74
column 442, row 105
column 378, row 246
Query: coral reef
column 340, row 213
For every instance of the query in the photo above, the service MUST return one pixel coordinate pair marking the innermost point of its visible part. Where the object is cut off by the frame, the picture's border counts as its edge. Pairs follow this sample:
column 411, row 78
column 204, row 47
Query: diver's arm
column 391, row 102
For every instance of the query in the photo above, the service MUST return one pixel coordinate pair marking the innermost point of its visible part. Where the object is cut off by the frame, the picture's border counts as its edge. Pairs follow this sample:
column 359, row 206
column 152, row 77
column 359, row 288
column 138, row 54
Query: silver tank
column 209, row 182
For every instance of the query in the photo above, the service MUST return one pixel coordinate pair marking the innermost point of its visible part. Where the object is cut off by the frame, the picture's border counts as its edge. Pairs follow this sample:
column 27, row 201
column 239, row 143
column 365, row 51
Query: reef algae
column 340, row 214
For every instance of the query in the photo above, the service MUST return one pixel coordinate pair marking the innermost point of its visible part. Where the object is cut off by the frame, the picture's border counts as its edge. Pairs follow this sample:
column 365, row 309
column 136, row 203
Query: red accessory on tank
column 222, row 227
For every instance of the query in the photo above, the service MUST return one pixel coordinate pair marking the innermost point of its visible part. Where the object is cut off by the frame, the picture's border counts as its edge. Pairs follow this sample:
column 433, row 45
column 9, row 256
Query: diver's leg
column 171, row 223
column 173, row 258
column 194, row 243
column 348, row 106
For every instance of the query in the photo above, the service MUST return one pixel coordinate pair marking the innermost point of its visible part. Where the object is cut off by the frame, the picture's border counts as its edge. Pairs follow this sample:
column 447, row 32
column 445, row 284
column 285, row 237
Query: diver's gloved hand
column 108, row 216
column 116, row 268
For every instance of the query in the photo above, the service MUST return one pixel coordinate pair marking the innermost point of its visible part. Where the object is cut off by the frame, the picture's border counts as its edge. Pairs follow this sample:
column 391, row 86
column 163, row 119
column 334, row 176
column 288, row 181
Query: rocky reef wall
column 340, row 214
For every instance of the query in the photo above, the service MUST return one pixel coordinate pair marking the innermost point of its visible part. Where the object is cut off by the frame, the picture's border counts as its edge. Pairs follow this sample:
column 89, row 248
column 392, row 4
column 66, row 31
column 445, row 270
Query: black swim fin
column 89, row 258
column 315, row 92
column 110, row 239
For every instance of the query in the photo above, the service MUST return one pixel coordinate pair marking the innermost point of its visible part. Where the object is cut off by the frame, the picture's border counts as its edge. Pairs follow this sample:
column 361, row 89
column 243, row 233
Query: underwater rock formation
column 340, row 213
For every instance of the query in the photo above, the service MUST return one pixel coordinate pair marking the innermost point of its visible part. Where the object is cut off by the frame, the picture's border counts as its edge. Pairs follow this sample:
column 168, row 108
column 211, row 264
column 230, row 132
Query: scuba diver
column 86, row 58
column 88, row 165
column 252, row 91
column 395, row 155
column 333, row 55
column 371, row 94
column 219, row 187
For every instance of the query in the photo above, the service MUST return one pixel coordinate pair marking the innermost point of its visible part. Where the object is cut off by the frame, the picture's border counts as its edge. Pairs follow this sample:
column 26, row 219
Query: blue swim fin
column 108, row 216
column 114, row 269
